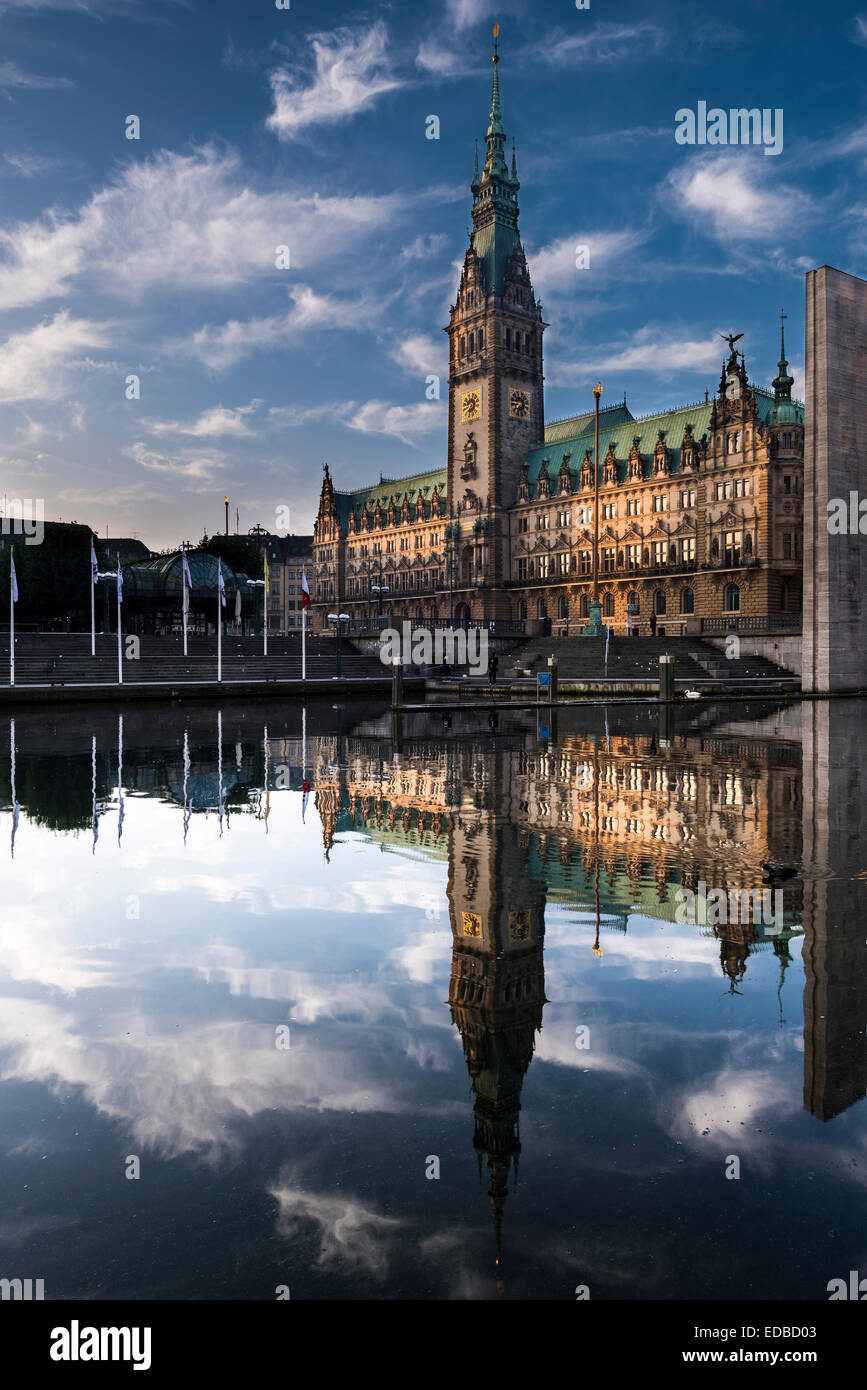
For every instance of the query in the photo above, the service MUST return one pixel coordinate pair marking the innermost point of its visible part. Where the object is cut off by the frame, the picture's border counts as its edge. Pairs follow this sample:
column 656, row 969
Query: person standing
column 493, row 666
column 653, row 624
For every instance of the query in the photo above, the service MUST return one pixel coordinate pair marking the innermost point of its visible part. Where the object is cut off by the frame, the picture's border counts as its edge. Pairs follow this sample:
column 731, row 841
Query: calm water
column 291, row 1007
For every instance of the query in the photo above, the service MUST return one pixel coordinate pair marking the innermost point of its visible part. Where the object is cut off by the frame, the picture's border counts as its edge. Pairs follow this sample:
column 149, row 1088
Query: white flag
column 119, row 582
column 186, row 579
column 238, row 604
column 220, row 582
column 13, row 578
column 93, row 565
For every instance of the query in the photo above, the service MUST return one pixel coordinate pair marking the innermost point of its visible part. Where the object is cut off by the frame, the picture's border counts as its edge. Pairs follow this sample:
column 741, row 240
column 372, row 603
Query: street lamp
column 380, row 590
column 451, row 533
column 226, row 501
column 338, row 619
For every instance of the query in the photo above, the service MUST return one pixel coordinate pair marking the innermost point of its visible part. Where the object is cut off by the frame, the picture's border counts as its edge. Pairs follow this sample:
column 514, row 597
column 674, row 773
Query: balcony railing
column 753, row 622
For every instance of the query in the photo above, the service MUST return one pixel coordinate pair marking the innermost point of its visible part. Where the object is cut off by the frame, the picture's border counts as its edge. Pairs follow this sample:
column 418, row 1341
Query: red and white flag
column 305, row 591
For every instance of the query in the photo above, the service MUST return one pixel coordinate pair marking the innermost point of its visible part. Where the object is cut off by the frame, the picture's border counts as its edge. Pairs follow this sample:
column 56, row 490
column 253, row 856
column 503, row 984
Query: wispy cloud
column 351, row 69
column 186, row 222
column 648, row 349
column 860, row 29
column 421, row 355
column 196, row 467
column 604, row 42
column 403, row 422
column 13, row 76
column 736, row 200
column 554, row 266
column 221, row 346
column 38, row 364
column 212, row 424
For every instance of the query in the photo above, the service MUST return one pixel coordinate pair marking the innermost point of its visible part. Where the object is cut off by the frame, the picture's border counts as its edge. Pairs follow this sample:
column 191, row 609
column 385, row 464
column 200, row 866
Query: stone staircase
column 65, row 659
column 637, row 658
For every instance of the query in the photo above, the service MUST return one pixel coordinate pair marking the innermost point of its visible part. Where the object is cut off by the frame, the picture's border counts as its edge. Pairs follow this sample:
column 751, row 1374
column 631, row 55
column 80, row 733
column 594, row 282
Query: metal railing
column 753, row 622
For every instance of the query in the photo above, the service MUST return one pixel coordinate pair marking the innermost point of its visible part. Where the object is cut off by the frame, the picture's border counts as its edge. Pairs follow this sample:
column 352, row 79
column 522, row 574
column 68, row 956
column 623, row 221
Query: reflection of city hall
column 699, row 507
column 603, row 827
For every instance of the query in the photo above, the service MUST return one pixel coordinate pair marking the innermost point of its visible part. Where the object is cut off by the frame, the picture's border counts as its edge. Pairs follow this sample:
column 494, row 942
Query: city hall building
column 699, row 507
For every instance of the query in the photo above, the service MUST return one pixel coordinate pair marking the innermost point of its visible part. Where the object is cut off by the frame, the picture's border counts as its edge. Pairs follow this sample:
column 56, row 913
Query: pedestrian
column 493, row 666
column 653, row 624
column 629, row 622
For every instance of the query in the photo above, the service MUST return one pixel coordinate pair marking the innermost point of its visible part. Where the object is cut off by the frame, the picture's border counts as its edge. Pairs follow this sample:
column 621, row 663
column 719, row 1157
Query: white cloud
column 193, row 466
column 184, row 222
column 648, row 349
column 554, row 267
column 38, row 363
column 601, row 43
column 211, row 424
column 725, row 195
column 352, row 69
column 351, row 1235
column 860, row 35
column 224, row 345
column 424, row 247
column 29, row 165
column 401, row 421
column 421, row 355
column 13, row 76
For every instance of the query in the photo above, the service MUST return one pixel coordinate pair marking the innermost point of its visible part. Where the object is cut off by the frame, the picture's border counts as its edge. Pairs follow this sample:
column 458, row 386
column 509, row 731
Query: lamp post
column 380, row 590
column 338, row 619
column 593, row 627
column 452, row 532
column 226, row 501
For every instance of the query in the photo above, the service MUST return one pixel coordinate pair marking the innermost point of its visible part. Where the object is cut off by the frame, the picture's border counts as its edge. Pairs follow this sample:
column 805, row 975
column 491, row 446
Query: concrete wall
column 835, row 465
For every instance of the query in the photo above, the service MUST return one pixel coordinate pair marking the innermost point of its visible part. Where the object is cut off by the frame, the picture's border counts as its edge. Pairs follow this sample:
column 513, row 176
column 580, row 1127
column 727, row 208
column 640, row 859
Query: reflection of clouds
column 180, row 1092
column 351, row 1235
column 425, row 956
column 556, row 1043
column 17, row 1229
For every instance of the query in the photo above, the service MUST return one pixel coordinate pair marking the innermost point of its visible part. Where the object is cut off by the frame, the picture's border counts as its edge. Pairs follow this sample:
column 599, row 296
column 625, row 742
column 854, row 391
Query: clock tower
column 496, row 409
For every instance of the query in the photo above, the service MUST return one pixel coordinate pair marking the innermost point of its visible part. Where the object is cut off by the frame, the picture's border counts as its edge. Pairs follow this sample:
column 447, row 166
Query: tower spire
column 783, row 382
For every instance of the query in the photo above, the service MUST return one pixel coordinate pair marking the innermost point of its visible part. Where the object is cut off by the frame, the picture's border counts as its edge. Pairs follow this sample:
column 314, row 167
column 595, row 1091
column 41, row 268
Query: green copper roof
column 494, row 244
column 578, row 425
column 392, row 490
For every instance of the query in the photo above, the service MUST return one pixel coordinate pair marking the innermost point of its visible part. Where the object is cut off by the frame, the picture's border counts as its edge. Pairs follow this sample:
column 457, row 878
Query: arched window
column 527, row 343
column 732, row 599
column 632, row 601
column 472, row 343
column 608, row 605
column 687, row 601
column 462, row 352
column 481, row 340
column 659, row 603
column 563, row 607
column 522, row 611
column 542, row 610
column 508, row 337
column 584, row 609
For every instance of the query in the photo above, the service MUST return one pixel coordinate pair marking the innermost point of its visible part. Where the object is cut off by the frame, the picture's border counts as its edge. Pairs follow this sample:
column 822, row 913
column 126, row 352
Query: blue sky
column 305, row 128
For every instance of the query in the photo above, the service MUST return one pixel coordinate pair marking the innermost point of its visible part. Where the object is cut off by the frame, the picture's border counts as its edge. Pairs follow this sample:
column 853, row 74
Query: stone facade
column 835, row 616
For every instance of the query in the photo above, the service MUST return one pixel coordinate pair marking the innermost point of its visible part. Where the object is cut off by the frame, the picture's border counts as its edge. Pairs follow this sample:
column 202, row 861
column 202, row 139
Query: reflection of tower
column 835, row 909
column 497, row 987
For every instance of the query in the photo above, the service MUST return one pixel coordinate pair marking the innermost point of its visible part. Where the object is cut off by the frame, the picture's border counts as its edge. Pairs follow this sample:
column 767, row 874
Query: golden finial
column 496, row 57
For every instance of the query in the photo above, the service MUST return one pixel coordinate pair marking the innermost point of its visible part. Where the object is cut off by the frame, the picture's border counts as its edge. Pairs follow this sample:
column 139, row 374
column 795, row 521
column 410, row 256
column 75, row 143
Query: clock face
column 471, row 405
column 472, row 923
column 519, row 404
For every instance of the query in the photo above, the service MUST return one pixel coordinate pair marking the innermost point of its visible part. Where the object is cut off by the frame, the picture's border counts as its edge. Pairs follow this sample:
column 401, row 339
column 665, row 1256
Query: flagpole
column 92, row 605
column 304, row 644
column 219, row 638
column 11, row 619
column 265, row 606
column 119, row 642
column 186, row 597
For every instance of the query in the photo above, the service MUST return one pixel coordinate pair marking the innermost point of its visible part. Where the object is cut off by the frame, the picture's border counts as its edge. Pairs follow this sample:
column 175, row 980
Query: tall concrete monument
column 835, row 481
